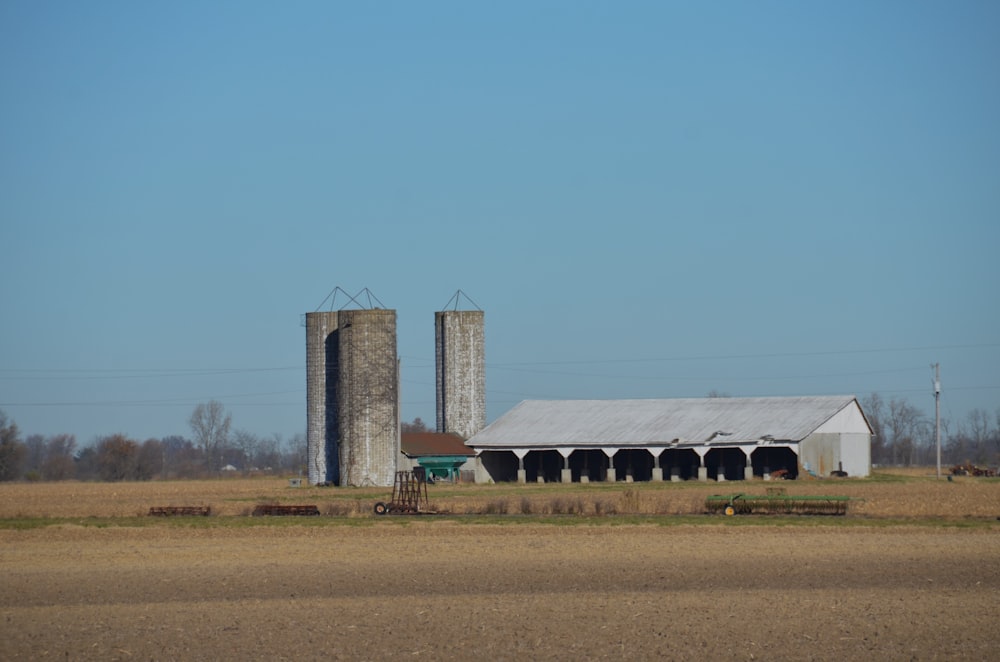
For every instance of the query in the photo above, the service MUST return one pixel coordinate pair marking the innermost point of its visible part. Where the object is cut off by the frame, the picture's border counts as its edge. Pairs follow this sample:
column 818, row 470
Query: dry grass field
column 913, row 493
column 912, row 573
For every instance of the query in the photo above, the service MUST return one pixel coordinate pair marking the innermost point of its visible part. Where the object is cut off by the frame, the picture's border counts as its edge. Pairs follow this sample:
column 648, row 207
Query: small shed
column 443, row 455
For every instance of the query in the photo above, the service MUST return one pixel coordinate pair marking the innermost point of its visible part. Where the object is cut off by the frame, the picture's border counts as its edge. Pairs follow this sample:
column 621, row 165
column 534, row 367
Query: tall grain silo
column 322, row 377
column 352, row 393
column 461, row 371
column 368, row 397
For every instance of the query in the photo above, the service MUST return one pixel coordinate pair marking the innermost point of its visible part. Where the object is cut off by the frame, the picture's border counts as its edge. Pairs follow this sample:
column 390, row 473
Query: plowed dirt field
column 447, row 590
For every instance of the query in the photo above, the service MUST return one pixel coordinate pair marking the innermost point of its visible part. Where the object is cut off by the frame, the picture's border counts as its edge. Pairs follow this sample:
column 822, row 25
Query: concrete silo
column 461, row 371
column 322, row 376
column 352, row 393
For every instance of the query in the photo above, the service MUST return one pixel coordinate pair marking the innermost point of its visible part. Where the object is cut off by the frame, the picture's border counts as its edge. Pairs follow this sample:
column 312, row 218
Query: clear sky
column 648, row 199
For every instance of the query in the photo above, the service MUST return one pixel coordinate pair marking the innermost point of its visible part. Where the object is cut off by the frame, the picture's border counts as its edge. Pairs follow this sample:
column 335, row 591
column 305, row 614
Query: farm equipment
column 969, row 469
column 281, row 510
column 777, row 502
column 188, row 511
column 409, row 494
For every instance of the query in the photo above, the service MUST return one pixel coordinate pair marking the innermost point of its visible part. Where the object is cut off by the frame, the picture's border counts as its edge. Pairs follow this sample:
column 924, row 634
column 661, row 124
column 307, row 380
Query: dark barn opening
column 771, row 460
column 546, row 465
column 501, row 465
column 594, row 462
column 635, row 461
column 683, row 461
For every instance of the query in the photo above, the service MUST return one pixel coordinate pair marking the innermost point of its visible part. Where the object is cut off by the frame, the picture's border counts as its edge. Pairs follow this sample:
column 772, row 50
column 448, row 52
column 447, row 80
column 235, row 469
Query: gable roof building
column 441, row 454
column 725, row 438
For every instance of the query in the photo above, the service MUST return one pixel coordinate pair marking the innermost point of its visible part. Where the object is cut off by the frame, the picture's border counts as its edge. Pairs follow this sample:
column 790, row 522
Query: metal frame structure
column 409, row 494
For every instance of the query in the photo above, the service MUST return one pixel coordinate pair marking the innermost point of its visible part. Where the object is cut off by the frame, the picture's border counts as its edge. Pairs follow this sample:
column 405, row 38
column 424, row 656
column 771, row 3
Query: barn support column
column 566, row 475
column 612, row 475
column 748, row 472
column 522, row 474
column 702, row 469
column 657, row 469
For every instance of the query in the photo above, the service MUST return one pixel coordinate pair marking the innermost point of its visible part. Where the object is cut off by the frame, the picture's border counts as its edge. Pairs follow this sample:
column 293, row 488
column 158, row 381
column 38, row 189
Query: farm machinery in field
column 969, row 469
column 777, row 502
column 409, row 494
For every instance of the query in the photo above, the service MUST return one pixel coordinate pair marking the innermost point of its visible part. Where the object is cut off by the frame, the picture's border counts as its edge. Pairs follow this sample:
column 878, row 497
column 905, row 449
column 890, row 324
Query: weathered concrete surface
column 461, row 371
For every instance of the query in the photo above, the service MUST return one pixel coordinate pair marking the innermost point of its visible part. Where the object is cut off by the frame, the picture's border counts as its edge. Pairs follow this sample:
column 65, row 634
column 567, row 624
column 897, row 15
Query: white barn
column 676, row 439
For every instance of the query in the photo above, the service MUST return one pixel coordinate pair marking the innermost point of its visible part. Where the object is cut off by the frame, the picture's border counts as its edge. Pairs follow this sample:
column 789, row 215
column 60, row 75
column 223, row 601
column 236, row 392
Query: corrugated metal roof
column 686, row 421
column 421, row 444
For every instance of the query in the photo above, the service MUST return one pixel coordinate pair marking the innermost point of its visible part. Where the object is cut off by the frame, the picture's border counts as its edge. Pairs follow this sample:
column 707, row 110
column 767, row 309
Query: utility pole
column 937, row 414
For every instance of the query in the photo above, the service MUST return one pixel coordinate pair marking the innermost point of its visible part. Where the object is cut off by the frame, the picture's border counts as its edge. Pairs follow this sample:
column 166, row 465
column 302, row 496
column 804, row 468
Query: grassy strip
column 236, row 522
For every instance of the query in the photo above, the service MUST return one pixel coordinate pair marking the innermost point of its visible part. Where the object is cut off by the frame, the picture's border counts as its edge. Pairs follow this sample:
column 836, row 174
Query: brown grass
column 913, row 493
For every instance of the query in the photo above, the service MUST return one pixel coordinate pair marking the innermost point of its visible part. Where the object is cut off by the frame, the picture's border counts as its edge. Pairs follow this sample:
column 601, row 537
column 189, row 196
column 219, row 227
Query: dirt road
column 444, row 590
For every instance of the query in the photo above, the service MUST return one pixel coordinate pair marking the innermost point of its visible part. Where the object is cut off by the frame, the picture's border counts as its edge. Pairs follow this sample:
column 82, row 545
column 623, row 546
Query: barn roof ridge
column 660, row 421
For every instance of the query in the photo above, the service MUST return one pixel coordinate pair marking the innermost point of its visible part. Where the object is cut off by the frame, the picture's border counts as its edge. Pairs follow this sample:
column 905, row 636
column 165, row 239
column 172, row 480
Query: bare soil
column 447, row 590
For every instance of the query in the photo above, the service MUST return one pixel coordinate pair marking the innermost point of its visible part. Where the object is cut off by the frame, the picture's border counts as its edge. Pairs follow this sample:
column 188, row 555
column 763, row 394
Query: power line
column 64, row 374
column 120, row 373
column 770, row 355
column 186, row 401
column 713, row 378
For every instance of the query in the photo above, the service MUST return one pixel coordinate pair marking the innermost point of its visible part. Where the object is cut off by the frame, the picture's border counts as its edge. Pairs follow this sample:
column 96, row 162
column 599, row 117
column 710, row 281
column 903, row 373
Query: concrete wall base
column 584, row 478
column 522, row 476
column 657, row 475
column 612, row 476
column 566, row 475
column 703, row 474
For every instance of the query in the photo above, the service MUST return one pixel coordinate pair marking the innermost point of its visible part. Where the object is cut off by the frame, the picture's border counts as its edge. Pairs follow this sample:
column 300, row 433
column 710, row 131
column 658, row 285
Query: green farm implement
column 777, row 502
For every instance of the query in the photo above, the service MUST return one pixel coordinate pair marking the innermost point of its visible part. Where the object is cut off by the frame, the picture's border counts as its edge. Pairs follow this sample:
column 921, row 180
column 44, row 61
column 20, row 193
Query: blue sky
column 648, row 199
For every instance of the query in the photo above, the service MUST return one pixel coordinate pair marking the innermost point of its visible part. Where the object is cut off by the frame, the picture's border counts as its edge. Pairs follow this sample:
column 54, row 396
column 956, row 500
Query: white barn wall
column 825, row 452
column 847, row 420
column 819, row 453
column 856, row 454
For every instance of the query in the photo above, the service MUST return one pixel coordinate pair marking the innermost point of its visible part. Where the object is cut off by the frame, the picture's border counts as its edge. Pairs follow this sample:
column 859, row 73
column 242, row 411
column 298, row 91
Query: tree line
column 906, row 436
column 903, row 436
column 213, row 448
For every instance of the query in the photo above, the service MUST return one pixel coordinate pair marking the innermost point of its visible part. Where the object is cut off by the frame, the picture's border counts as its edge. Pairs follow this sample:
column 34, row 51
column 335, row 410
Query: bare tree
column 116, row 457
column 296, row 458
column 874, row 409
column 181, row 459
column 12, row 451
column 86, row 465
column 906, row 424
column 210, row 425
column 34, row 456
column 149, row 461
column 979, row 433
column 248, row 446
column 268, row 456
column 417, row 425
column 996, row 439
column 58, row 463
